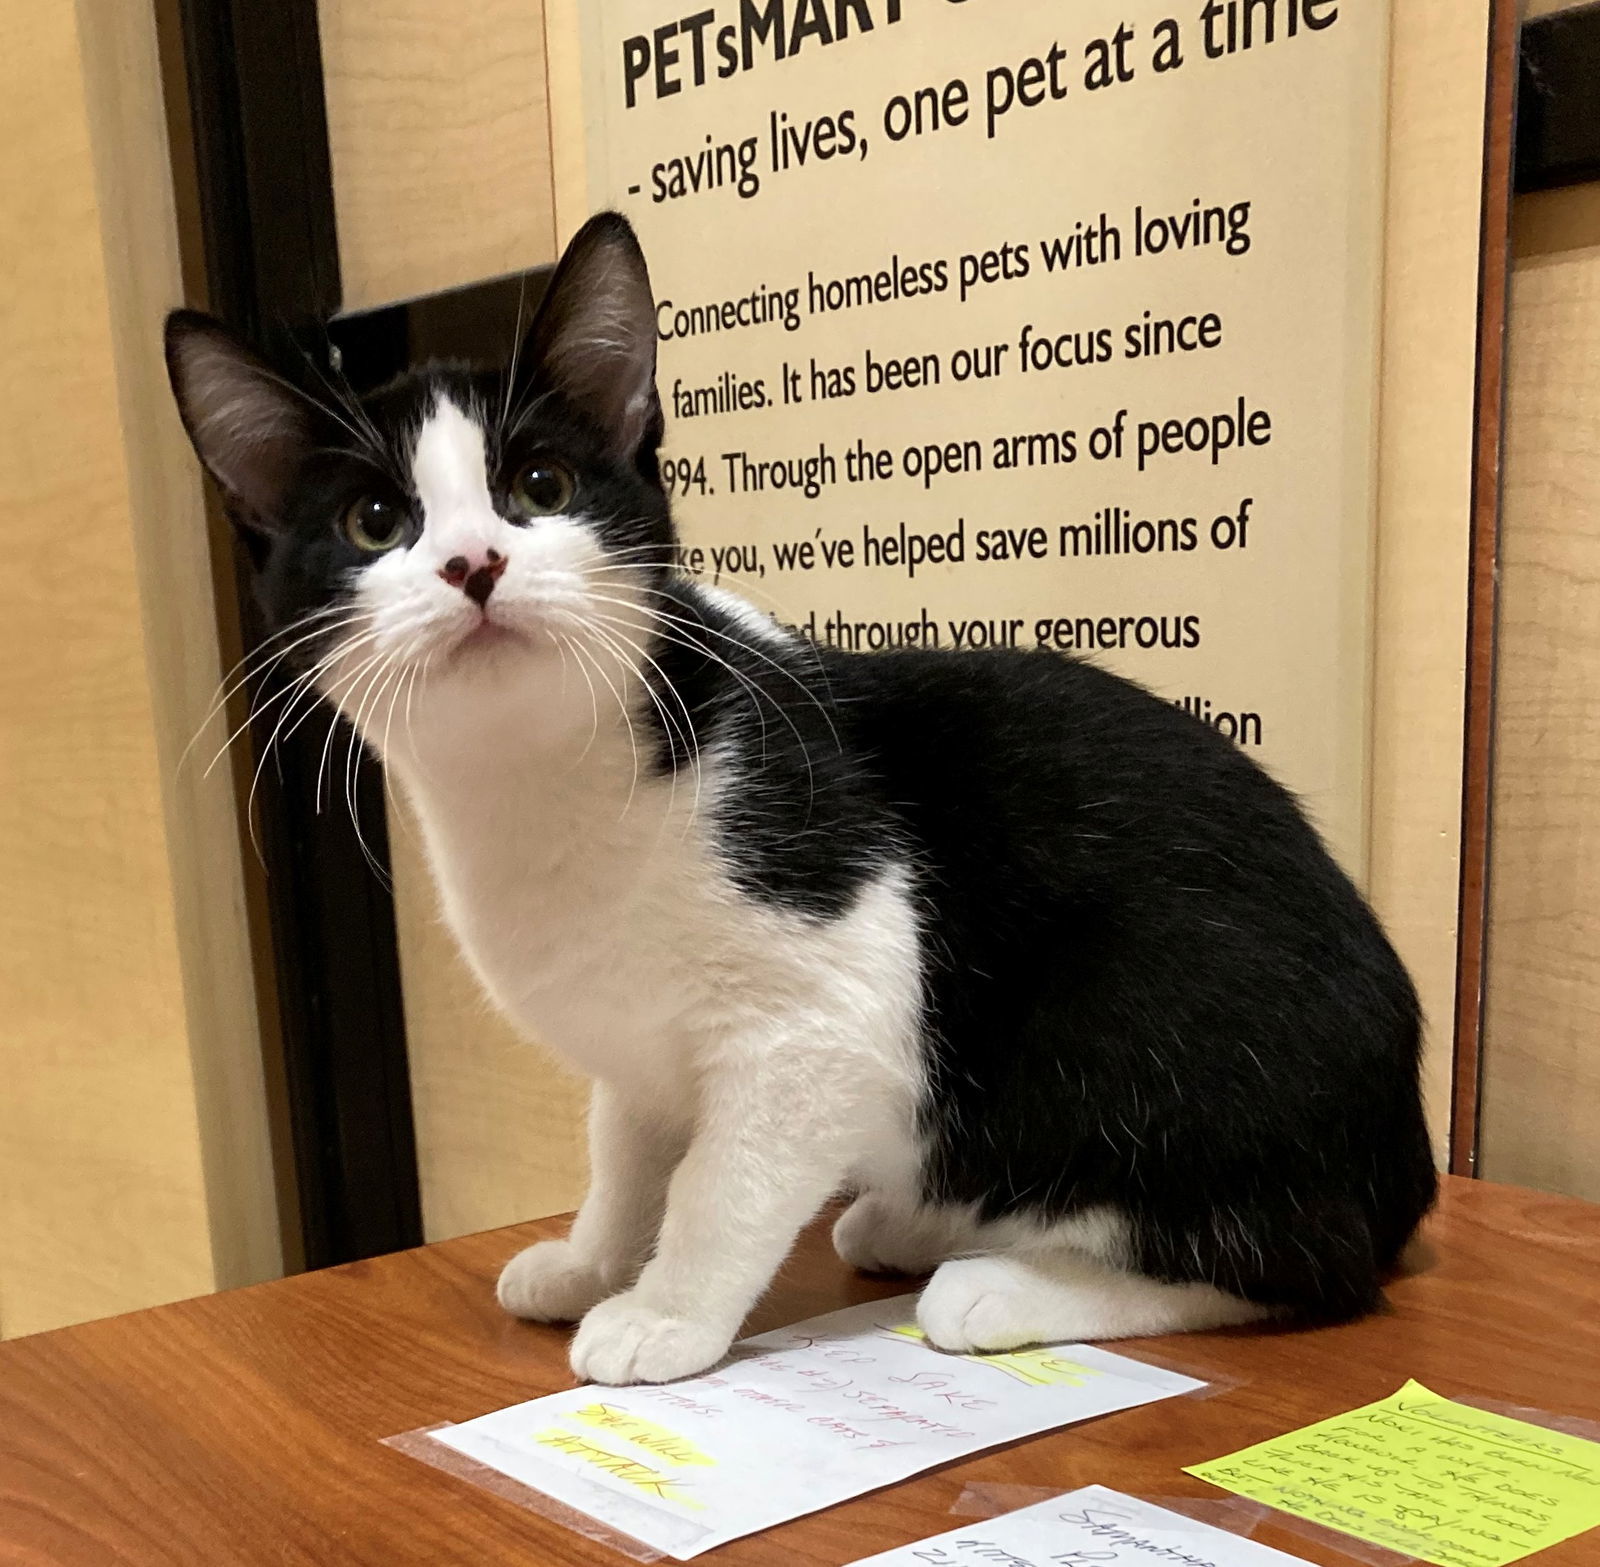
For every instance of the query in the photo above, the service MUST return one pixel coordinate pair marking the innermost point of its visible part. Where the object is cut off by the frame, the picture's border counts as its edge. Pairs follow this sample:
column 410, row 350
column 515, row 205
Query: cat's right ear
column 248, row 425
column 594, row 338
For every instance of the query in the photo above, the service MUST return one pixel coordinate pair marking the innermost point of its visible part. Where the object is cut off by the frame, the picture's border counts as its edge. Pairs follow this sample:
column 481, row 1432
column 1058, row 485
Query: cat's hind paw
column 988, row 1304
column 623, row 1340
column 874, row 1236
column 979, row 1304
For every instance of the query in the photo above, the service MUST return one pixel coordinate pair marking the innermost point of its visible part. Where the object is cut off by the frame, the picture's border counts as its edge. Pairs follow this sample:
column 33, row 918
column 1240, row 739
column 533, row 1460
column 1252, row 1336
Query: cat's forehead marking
column 448, row 463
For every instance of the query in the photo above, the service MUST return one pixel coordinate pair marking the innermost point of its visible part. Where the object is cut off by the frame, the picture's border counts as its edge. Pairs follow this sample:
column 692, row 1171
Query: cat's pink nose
column 475, row 578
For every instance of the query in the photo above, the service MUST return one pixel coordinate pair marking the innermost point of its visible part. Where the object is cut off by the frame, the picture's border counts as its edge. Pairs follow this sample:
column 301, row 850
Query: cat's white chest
column 600, row 911
column 597, row 915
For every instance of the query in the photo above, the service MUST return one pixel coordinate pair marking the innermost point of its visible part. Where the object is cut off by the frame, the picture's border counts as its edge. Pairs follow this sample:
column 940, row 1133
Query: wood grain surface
column 440, row 136
column 1432, row 217
column 247, row 1428
column 1541, row 1054
column 134, row 1158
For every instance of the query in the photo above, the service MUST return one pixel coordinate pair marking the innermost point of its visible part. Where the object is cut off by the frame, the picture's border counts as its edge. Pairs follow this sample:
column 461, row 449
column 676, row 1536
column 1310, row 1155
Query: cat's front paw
column 551, row 1282
column 624, row 1340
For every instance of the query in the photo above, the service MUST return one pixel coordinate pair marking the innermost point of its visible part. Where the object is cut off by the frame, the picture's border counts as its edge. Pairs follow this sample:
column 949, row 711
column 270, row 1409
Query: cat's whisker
column 740, row 643
column 516, row 350
column 419, row 683
column 627, row 718
column 346, row 402
column 336, row 702
column 607, row 628
column 374, row 694
column 411, row 691
column 750, row 688
column 258, row 708
column 685, row 639
column 326, row 667
column 295, row 690
column 766, row 658
column 406, row 682
column 594, row 704
column 685, row 732
column 230, row 687
column 753, row 587
column 756, row 694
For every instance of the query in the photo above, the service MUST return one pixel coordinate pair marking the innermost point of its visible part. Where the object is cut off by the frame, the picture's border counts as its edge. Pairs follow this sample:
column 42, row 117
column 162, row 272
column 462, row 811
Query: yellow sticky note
column 1437, row 1480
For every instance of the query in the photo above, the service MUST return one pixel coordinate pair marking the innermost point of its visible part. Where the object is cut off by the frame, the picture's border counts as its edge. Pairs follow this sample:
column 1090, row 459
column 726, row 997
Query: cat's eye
column 542, row 488
column 374, row 525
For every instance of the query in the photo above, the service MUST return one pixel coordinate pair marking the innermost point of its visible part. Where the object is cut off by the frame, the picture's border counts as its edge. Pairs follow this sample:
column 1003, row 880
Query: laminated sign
column 999, row 323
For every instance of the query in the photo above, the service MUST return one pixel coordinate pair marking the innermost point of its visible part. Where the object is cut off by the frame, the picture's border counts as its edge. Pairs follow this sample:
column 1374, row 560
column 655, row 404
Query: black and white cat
column 1049, row 976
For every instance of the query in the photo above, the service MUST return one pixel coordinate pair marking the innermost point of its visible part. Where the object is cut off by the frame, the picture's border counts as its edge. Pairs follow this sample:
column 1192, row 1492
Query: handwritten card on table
column 801, row 1418
column 1092, row 1525
column 1437, row 1480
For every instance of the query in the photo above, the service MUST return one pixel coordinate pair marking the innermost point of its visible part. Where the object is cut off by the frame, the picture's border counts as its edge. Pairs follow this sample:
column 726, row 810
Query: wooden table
column 246, row 1428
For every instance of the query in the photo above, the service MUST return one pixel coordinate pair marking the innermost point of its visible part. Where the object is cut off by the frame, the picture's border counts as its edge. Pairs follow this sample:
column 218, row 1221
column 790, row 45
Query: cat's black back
column 1148, row 985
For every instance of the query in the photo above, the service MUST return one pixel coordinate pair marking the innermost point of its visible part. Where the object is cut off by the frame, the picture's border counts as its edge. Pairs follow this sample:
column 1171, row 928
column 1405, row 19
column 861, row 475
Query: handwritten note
column 1441, row 1481
column 1092, row 1525
column 800, row 1419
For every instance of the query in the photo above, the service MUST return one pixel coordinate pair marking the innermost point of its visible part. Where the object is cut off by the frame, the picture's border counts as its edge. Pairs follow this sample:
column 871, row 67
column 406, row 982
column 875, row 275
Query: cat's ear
column 249, row 426
column 594, row 338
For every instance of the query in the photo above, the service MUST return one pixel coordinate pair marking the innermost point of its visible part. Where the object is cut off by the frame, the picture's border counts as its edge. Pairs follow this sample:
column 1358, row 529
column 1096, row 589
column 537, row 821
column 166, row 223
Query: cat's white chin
column 490, row 637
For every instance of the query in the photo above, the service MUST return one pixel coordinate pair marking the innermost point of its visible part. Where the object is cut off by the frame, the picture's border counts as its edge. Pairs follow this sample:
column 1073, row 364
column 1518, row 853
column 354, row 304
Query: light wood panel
column 440, row 137
column 1541, row 1090
column 184, row 561
column 1426, row 450
column 133, row 1155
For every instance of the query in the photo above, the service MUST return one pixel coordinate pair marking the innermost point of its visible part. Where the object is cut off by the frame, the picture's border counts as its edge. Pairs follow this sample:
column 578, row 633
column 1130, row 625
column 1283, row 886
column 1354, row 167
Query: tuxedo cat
column 1044, row 973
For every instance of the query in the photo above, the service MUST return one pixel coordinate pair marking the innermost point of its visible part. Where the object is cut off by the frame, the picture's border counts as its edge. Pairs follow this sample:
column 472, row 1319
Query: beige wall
column 440, row 137
column 134, row 1159
column 1541, row 1081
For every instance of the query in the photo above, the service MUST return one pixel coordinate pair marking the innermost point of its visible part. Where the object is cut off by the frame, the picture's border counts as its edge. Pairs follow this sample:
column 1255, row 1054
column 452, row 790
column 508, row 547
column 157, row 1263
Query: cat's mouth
column 488, row 636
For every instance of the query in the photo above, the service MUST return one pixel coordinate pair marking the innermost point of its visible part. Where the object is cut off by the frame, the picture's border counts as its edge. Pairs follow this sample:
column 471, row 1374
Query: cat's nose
column 475, row 578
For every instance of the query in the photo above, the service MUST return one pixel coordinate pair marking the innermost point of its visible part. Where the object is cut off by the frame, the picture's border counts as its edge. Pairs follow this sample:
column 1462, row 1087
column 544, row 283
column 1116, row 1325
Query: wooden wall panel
column 1541, row 1086
column 440, row 135
column 1439, row 53
column 133, row 1153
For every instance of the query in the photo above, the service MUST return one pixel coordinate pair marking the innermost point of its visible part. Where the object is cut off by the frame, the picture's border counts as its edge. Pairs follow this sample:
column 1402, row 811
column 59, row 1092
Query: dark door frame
column 271, row 262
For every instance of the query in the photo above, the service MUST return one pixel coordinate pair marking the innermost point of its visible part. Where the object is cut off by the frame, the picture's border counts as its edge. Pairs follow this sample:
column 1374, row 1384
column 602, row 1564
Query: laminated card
column 1089, row 1526
column 1441, row 1481
column 800, row 1418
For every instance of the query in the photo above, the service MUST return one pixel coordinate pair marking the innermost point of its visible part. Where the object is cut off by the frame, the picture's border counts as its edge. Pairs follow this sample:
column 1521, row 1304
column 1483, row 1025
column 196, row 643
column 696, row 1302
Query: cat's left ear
column 594, row 338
